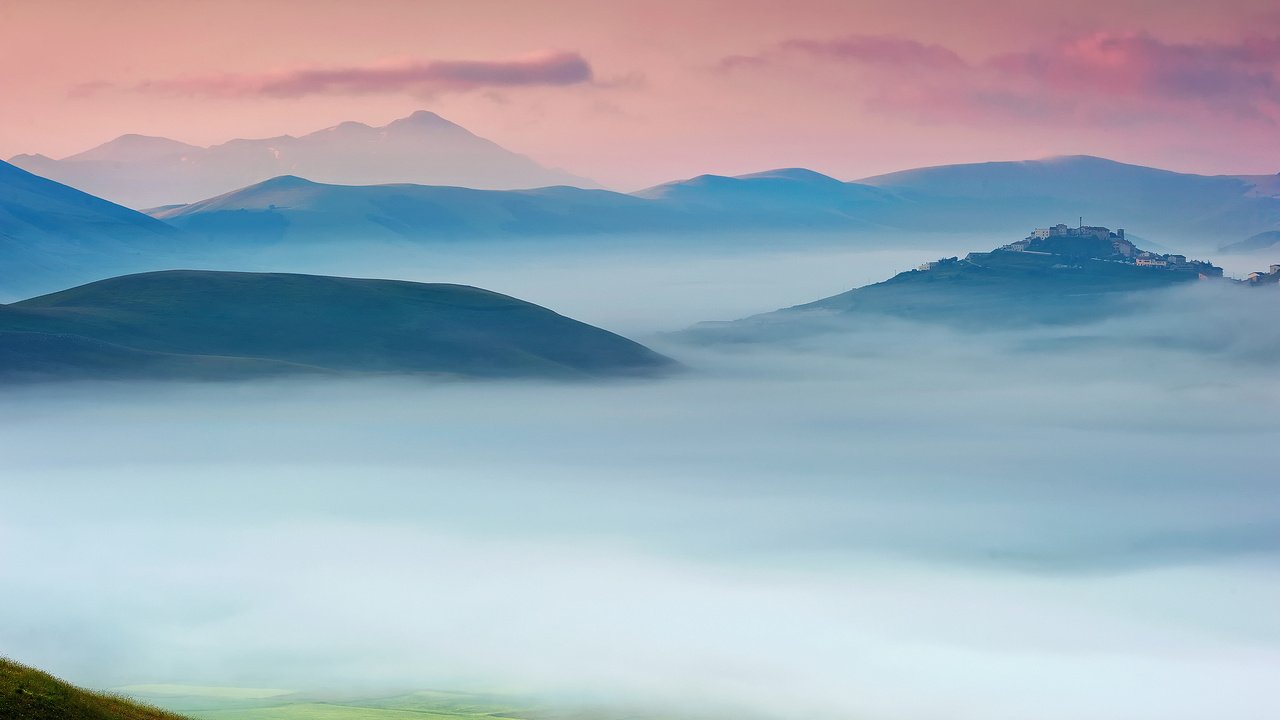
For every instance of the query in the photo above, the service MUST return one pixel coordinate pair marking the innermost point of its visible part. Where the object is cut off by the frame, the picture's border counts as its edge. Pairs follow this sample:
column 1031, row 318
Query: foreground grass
column 29, row 694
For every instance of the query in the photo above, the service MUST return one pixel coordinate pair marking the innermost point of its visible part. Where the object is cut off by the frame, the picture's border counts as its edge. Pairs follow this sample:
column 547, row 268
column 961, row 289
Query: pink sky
column 635, row 92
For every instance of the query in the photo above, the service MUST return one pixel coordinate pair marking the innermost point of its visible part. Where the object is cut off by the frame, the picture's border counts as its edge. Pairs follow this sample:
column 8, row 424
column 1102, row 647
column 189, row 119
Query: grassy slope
column 338, row 324
column 33, row 356
column 29, row 694
column 1006, row 288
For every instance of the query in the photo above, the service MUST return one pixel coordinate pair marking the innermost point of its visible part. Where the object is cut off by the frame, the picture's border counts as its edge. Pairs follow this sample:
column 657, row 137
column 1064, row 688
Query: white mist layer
column 901, row 524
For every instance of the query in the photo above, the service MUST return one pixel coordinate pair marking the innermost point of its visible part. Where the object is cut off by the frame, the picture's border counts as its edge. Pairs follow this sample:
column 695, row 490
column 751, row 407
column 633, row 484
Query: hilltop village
column 1094, row 243
column 1100, row 243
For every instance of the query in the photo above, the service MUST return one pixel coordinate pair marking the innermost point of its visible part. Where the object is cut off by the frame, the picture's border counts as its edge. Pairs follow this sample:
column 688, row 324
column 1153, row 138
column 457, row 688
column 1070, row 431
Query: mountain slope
column 1001, row 289
column 789, row 197
column 423, row 148
column 1260, row 241
column 32, row 206
column 1043, row 281
column 224, row 324
column 29, row 694
column 290, row 206
column 48, row 228
column 1199, row 210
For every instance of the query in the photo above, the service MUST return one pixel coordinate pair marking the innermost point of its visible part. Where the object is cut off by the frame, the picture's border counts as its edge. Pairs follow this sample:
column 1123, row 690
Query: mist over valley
column 676, row 361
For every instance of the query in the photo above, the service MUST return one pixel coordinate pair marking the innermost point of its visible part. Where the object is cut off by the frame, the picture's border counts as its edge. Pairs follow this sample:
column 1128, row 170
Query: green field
column 230, row 703
column 222, row 703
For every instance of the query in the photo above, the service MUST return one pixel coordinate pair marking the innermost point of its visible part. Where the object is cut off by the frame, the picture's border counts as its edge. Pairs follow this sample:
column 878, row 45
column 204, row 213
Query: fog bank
column 909, row 523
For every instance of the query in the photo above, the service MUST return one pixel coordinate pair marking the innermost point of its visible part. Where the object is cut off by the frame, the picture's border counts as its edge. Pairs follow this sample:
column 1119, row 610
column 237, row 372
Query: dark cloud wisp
column 415, row 77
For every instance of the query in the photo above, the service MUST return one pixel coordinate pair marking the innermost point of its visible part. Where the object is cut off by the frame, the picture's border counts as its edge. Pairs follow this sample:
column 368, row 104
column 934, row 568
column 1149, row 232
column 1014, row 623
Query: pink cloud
column 419, row 78
column 1108, row 78
column 886, row 51
column 877, row 49
column 1244, row 75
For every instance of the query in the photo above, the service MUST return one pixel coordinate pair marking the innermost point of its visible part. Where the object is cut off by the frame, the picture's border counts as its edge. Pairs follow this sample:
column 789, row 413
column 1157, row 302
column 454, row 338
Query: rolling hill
column 1000, row 288
column 29, row 694
column 423, row 148
column 997, row 290
column 205, row 324
column 47, row 228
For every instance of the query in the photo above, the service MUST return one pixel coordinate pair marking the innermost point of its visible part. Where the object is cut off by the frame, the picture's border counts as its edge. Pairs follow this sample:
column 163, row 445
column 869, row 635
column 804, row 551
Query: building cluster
column 1100, row 243
column 1271, row 277
column 939, row 263
column 1119, row 244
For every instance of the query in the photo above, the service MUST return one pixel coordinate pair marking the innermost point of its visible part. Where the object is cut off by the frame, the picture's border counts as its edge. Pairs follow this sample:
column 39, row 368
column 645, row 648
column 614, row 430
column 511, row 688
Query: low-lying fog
column 631, row 285
column 905, row 523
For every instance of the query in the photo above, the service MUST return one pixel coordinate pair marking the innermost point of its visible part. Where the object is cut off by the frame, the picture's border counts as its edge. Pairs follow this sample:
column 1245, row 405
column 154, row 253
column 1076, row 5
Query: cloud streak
column 877, row 50
column 1245, row 74
column 414, row 77
column 1103, row 76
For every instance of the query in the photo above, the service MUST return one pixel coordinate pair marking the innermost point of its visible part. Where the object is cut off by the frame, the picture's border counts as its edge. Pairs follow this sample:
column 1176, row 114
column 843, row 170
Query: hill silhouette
column 201, row 324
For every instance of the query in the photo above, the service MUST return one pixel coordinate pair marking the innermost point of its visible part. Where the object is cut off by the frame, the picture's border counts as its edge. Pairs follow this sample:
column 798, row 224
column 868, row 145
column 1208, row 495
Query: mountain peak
column 132, row 147
column 281, row 182
column 424, row 117
column 424, row 120
column 798, row 174
column 1078, row 158
column 347, row 127
column 286, row 181
column 1083, row 161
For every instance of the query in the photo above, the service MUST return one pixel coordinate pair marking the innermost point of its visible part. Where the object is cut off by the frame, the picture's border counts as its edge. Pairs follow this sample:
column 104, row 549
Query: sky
column 633, row 93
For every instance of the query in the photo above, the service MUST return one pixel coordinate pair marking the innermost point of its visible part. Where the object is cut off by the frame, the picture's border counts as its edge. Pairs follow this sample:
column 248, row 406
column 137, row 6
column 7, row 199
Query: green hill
column 29, row 694
column 996, row 290
column 1003, row 288
column 202, row 324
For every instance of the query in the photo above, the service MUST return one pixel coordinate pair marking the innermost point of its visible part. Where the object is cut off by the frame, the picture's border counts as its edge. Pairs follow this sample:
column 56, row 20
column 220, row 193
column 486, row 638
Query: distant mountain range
column 1200, row 211
column 52, row 235
column 215, row 325
column 144, row 172
column 1195, row 211
column 159, row 174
